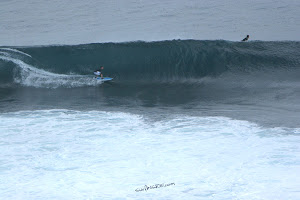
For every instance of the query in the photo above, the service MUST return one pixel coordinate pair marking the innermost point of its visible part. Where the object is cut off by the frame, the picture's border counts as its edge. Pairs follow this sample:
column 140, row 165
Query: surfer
column 245, row 39
column 98, row 72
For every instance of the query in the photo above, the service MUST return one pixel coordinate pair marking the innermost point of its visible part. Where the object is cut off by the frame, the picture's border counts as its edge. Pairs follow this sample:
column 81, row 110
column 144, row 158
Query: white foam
column 34, row 77
column 15, row 50
column 64, row 154
column 4, row 53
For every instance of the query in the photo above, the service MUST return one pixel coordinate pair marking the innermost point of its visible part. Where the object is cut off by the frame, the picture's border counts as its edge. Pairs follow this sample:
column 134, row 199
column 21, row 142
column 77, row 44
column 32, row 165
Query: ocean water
column 192, row 112
column 41, row 22
column 65, row 154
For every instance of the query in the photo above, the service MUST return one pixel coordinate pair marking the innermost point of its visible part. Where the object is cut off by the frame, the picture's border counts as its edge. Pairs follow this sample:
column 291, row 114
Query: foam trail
column 17, row 51
column 169, row 60
column 4, row 53
column 31, row 76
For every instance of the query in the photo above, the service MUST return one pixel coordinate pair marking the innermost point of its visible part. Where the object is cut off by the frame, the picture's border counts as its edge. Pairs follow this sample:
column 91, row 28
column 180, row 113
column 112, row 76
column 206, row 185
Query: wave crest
column 165, row 61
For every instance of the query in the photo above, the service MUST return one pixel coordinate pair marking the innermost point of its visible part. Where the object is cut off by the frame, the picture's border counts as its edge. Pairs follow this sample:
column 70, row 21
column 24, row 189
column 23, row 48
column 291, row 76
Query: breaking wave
column 165, row 61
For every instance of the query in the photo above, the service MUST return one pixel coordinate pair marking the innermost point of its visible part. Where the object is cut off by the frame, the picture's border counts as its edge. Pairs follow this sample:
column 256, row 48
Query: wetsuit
column 98, row 72
column 245, row 39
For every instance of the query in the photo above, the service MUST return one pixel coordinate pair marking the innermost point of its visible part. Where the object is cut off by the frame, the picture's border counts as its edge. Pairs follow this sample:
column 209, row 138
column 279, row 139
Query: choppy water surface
column 189, row 118
column 58, row 154
column 40, row 22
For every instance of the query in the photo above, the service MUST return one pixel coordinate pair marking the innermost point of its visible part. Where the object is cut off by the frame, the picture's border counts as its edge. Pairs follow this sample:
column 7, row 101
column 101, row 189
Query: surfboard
column 103, row 79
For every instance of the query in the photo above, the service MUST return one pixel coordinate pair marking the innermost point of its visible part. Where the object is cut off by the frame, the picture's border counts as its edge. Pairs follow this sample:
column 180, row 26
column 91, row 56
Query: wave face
column 167, row 61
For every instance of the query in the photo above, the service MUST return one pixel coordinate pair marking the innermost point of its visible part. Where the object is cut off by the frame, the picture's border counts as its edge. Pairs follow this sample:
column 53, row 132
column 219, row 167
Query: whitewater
column 61, row 154
column 192, row 112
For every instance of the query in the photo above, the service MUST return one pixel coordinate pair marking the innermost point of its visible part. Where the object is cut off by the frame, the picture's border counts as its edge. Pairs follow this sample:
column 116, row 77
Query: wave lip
column 16, row 51
column 28, row 75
